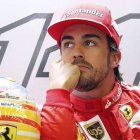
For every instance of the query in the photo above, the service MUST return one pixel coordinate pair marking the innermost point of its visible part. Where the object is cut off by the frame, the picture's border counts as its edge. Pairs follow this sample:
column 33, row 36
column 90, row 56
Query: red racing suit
column 113, row 117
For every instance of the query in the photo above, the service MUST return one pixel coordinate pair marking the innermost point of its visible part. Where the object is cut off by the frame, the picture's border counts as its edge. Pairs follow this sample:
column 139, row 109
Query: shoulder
column 131, row 89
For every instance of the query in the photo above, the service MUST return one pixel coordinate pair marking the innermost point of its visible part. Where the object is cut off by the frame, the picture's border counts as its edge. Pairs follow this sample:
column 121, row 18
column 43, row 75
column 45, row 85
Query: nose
column 78, row 53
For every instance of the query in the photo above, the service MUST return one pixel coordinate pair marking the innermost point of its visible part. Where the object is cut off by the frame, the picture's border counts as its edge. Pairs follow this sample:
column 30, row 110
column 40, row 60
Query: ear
column 115, row 58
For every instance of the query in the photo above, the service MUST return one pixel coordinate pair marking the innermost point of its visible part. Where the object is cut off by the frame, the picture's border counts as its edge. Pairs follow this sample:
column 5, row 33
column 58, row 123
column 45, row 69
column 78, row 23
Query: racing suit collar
column 95, row 105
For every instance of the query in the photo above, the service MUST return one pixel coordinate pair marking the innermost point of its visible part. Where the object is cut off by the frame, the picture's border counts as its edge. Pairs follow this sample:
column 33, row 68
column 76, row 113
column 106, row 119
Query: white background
column 23, row 39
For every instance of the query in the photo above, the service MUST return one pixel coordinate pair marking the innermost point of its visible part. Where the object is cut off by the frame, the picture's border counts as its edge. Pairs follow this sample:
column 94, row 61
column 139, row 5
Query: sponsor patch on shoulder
column 127, row 111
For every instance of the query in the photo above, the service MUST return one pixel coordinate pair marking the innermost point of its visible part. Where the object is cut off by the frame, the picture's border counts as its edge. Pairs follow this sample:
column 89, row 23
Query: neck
column 103, row 88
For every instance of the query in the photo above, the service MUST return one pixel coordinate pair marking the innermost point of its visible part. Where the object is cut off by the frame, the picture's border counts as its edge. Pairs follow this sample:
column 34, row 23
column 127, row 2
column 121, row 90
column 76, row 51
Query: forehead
column 81, row 29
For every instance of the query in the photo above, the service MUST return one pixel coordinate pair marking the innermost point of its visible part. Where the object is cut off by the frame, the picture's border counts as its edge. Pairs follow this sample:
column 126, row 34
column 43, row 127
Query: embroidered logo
column 115, row 98
column 95, row 130
column 108, row 104
column 86, row 11
column 127, row 111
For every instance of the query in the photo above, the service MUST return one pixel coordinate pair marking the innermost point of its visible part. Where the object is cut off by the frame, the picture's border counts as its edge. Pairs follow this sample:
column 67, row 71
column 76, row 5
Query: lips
column 83, row 66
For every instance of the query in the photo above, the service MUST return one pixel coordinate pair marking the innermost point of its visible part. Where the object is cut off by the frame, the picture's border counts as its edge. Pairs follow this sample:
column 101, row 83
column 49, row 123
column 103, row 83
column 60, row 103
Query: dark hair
column 113, row 48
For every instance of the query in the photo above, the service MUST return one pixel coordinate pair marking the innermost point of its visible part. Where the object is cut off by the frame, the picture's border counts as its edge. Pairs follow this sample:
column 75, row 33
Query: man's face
column 86, row 47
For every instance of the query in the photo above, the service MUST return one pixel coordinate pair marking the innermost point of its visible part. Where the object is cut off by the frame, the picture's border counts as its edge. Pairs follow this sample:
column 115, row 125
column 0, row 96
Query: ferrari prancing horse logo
column 8, row 131
column 127, row 111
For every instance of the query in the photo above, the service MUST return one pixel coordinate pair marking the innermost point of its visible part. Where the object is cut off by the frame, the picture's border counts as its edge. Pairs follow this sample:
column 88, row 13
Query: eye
column 68, row 45
column 90, row 43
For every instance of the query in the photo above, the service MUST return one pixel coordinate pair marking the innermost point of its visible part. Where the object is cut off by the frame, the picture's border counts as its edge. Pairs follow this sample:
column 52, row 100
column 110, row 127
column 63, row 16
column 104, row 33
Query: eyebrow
column 83, row 37
column 90, row 36
column 67, row 37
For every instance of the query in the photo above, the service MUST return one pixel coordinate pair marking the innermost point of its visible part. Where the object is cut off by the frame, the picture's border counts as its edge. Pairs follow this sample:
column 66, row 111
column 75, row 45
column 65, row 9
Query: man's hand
column 63, row 75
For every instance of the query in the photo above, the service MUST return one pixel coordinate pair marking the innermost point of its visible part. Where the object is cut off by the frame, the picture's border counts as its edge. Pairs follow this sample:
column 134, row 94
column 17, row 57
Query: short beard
column 97, row 75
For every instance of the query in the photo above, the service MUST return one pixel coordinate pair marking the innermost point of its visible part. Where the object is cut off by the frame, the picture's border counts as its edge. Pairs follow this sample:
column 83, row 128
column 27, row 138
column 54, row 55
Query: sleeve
column 58, row 122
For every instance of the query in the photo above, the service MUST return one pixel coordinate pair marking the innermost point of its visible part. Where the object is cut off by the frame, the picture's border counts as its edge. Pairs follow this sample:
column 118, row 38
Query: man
column 86, row 99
